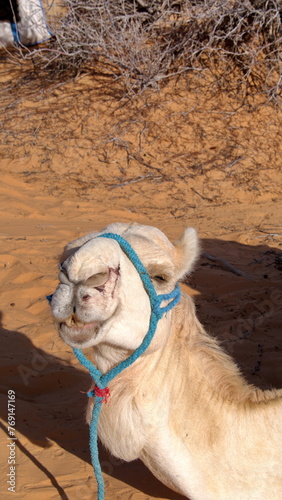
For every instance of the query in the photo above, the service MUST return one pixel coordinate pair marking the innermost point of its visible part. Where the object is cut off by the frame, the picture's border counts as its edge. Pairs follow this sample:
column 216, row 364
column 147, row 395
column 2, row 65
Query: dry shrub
column 232, row 44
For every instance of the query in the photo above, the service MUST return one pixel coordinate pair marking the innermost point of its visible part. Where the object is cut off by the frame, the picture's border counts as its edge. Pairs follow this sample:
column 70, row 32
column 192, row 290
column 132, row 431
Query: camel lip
column 78, row 326
column 79, row 336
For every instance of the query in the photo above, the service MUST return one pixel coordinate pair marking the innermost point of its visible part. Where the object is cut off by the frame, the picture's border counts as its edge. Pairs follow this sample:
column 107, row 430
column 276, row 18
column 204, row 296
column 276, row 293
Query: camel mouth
column 78, row 333
column 74, row 323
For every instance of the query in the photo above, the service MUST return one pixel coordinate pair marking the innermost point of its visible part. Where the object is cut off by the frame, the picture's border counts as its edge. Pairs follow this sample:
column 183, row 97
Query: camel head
column 101, row 299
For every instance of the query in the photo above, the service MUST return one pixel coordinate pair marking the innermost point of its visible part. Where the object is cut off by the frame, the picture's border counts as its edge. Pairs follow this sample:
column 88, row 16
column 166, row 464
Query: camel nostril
column 86, row 297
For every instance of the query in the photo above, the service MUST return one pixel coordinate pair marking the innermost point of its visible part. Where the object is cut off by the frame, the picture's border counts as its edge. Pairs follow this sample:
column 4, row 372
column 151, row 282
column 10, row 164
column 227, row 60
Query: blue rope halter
column 101, row 381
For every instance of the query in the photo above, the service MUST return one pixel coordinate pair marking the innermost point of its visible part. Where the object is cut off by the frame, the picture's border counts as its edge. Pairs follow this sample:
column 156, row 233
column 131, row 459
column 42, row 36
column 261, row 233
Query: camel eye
column 160, row 279
column 160, row 274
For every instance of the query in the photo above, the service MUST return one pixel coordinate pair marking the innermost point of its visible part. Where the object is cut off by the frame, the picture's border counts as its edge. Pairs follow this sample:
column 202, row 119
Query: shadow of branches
column 82, row 133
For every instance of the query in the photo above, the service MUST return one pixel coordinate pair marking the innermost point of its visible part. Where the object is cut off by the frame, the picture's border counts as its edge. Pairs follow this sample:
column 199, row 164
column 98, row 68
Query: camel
column 183, row 407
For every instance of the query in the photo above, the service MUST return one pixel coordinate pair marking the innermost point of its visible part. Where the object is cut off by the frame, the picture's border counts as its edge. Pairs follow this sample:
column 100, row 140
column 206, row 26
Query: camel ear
column 187, row 250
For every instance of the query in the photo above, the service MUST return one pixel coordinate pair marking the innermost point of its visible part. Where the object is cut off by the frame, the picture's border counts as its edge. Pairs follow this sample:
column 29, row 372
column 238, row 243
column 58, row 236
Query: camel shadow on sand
column 49, row 389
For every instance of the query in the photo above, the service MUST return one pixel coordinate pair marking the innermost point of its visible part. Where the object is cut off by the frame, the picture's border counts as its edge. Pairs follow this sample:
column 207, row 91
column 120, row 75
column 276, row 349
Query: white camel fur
column 183, row 407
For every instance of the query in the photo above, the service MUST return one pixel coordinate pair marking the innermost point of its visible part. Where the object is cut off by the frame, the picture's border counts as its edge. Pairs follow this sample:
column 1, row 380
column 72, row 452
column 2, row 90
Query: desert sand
column 77, row 159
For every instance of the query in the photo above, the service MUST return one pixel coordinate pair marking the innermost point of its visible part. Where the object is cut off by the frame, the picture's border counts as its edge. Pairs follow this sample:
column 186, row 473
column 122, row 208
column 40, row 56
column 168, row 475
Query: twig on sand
column 225, row 265
column 201, row 195
column 143, row 162
column 136, row 179
column 258, row 363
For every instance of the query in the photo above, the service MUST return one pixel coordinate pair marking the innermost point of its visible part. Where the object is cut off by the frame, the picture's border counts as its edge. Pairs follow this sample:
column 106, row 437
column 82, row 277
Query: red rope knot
column 102, row 393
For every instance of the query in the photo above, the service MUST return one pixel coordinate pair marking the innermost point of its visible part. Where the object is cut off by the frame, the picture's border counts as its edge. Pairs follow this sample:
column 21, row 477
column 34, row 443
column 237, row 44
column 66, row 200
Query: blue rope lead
column 101, row 381
column 93, row 444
